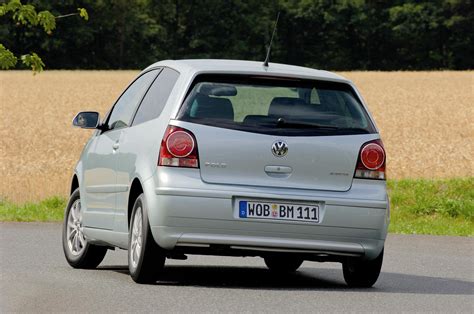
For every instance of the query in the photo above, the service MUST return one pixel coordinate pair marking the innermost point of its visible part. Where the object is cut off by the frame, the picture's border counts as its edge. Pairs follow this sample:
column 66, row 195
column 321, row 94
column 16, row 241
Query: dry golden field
column 426, row 121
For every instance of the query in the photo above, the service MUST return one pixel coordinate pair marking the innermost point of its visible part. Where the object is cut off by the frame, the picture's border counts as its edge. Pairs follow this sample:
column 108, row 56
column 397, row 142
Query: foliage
column 418, row 206
column 26, row 15
column 337, row 35
column 34, row 61
column 7, row 58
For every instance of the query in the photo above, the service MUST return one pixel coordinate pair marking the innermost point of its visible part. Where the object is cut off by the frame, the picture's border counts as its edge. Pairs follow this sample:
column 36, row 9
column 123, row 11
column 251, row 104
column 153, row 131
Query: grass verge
column 437, row 207
column 418, row 206
column 51, row 209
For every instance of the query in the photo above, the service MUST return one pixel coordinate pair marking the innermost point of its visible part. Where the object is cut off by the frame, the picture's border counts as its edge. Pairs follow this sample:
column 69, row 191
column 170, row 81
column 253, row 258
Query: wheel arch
column 74, row 183
column 135, row 190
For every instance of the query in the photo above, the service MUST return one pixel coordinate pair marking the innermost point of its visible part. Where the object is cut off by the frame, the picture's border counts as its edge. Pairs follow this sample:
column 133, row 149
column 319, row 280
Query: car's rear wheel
column 78, row 252
column 362, row 273
column 145, row 258
column 283, row 263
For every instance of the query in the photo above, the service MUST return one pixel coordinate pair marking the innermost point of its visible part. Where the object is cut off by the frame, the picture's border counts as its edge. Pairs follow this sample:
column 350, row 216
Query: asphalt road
column 420, row 273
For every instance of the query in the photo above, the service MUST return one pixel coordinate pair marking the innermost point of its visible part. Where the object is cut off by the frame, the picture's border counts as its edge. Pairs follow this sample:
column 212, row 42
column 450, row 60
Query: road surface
column 420, row 273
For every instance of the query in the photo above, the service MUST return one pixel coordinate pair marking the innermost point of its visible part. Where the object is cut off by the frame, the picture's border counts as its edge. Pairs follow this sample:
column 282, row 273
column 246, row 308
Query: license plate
column 279, row 211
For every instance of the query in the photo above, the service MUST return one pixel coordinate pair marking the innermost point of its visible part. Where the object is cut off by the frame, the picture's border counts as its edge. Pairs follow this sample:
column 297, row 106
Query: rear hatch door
column 311, row 162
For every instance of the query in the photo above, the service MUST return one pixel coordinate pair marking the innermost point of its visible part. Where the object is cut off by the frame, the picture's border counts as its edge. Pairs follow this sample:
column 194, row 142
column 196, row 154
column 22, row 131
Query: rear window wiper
column 354, row 130
column 282, row 123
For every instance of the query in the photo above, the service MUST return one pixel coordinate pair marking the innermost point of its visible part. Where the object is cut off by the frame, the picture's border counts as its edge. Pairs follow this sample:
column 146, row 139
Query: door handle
column 278, row 169
column 115, row 146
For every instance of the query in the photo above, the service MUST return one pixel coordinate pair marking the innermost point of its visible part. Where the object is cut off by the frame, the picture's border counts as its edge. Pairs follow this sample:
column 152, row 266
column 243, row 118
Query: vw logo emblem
column 279, row 148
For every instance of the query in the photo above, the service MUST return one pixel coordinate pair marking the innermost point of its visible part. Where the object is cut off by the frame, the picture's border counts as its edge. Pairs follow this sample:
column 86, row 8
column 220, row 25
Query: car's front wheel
column 78, row 252
column 283, row 263
column 145, row 258
column 362, row 273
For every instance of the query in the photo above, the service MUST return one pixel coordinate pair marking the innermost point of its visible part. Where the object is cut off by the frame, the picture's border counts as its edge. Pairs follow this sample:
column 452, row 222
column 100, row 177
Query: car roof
column 222, row 66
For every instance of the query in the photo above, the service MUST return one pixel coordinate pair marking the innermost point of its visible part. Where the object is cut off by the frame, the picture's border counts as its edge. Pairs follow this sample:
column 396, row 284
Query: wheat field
column 425, row 118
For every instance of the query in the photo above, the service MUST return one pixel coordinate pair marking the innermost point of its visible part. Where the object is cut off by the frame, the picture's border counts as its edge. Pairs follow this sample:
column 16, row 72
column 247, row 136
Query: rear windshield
column 277, row 106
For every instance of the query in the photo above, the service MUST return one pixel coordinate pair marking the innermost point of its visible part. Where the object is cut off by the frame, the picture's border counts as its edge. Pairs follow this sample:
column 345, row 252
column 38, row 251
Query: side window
column 157, row 96
column 124, row 108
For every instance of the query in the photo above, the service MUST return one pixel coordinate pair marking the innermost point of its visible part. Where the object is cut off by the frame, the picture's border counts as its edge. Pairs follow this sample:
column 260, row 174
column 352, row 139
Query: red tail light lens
column 178, row 149
column 371, row 162
column 372, row 156
column 180, row 144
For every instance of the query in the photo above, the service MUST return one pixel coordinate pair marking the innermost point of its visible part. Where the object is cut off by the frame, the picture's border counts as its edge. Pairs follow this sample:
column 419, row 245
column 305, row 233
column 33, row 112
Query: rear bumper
column 196, row 214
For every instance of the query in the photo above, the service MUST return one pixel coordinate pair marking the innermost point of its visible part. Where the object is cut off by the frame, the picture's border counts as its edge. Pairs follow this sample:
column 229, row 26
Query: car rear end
column 254, row 164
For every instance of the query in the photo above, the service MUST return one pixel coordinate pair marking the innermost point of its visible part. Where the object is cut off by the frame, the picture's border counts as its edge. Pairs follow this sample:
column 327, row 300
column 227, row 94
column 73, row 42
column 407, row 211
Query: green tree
column 327, row 34
column 26, row 15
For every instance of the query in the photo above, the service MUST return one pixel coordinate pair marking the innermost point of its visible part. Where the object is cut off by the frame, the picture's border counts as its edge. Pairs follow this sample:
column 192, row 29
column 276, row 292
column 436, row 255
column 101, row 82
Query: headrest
column 329, row 96
column 215, row 89
column 212, row 108
column 284, row 105
column 330, row 100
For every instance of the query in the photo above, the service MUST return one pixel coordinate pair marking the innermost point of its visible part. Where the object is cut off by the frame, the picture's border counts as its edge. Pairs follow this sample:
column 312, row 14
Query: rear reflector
column 371, row 162
column 178, row 149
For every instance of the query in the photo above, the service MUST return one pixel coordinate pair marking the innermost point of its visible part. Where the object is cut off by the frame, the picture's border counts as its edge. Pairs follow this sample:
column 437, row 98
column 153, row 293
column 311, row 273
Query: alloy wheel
column 75, row 236
column 137, row 238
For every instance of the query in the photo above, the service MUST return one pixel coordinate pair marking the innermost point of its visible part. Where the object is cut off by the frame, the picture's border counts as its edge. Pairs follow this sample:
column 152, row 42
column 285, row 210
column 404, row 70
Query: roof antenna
column 265, row 63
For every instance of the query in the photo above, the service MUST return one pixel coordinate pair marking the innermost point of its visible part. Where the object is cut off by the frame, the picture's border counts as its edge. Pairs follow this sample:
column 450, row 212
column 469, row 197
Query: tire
column 145, row 258
column 78, row 252
column 283, row 263
column 362, row 274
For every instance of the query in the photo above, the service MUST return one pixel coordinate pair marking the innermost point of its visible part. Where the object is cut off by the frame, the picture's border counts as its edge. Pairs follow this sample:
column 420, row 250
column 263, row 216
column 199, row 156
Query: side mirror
column 86, row 120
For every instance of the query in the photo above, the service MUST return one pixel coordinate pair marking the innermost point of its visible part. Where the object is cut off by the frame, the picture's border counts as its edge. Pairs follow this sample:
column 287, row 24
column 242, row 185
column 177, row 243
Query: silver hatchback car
column 234, row 158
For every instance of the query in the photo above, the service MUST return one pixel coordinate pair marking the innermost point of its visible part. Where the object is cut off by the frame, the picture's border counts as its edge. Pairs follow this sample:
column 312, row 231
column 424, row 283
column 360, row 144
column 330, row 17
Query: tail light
column 178, row 149
column 371, row 162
